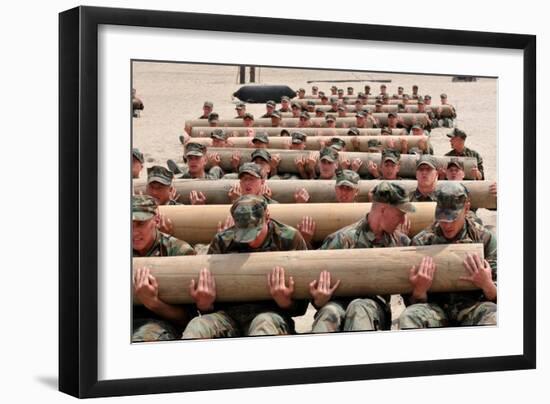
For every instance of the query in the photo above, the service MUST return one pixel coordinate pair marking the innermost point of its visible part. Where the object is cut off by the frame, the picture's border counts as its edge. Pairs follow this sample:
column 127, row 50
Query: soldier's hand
column 250, row 132
column 356, row 164
column 390, row 143
column 405, row 227
column 300, row 162
column 265, row 190
column 322, row 144
column 275, row 161
column 236, row 160
column 321, row 291
column 203, row 292
column 197, row 198
column 235, row 192
column 344, row 163
column 372, row 168
column 479, row 272
column 355, row 143
column 174, row 194
column 476, row 173
column 311, row 161
column 421, row 279
column 145, row 286
column 441, row 173
column 307, row 228
column 281, row 293
column 214, row 159
column 301, row 196
column 493, row 189
column 165, row 224
column 229, row 222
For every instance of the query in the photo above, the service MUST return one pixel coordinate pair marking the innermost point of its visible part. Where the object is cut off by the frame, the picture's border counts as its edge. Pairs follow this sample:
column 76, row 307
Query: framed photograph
column 169, row 108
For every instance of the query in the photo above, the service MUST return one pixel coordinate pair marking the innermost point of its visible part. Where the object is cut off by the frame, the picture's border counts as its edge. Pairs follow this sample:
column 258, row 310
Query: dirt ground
column 173, row 93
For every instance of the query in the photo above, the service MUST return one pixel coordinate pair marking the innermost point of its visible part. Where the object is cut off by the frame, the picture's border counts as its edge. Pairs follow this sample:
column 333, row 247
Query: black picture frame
column 78, row 196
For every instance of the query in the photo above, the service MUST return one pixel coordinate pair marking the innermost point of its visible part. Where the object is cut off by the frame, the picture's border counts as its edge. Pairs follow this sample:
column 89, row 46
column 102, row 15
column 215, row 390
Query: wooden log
column 236, row 131
column 314, row 142
column 198, row 223
column 288, row 157
column 350, row 100
column 446, row 110
column 319, row 190
column 408, row 120
column 362, row 272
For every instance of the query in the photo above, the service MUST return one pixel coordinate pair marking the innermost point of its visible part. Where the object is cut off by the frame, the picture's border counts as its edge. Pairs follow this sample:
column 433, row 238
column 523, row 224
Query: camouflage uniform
column 466, row 152
column 147, row 325
column 163, row 176
column 197, row 149
column 371, row 312
column 447, row 122
column 250, row 318
column 457, row 308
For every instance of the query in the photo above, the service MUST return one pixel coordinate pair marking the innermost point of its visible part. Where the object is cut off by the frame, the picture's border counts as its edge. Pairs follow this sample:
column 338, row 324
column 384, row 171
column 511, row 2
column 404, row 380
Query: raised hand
column 307, row 228
column 203, row 292
column 321, row 291
column 421, row 278
column 281, row 293
column 197, row 198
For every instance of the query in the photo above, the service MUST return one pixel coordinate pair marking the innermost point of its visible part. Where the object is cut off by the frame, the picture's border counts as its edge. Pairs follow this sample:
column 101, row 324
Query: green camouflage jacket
column 469, row 153
column 215, row 173
column 472, row 232
column 417, row 196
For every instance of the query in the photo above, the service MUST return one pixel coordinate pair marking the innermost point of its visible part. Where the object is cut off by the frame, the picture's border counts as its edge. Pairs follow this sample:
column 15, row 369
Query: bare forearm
column 174, row 313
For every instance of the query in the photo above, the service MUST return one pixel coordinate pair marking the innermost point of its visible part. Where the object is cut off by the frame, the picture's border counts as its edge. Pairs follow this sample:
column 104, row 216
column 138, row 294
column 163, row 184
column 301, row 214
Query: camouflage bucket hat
column 159, row 174
column 276, row 114
column 298, row 137
column 453, row 161
column 252, row 169
column 353, row 131
column 328, row 154
column 218, row 134
column 138, row 155
column 337, row 143
column 426, row 160
column 347, row 177
column 330, row 118
column 451, row 197
column 261, row 153
column 248, row 212
column 373, row 143
column 195, row 149
column 393, row 194
column 391, row 154
column 261, row 137
column 144, row 207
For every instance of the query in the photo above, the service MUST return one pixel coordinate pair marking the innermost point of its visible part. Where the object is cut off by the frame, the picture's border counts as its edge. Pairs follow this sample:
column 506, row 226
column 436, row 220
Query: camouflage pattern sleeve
column 490, row 252
column 334, row 241
column 422, row 238
column 480, row 165
column 215, row 173
column 176, row 247
column 217, row 245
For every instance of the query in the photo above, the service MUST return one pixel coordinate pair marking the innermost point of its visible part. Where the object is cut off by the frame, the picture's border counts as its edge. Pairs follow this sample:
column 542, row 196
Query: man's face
column 443, row 101
column 218, row 143
column 295, row 111
column 275, row 121
column 451, row 229
column 159, row 191
column 206, row 110
column 427, row 101
column 284, row 104
column 457, row 143
column 331, row 124
column 342, row 114
column 251, row 185
column 324, row 101
column 298, row 146
column 383, row 89
column 389, row 170
column 248, row 122
column 391, row 218
column 345, row 193
column 269, row 108
column 400, row 91
column 259, row 145
column 392, row 121
column 426, row 176
column 421, row 107
column 266, row 168
column 136, row 167
column 454, row 173
column 144, row 233
column 327, row 168
column 240, row 112
column 196, row 164
column 304, row 122
column 418, row 132
column 360, row 120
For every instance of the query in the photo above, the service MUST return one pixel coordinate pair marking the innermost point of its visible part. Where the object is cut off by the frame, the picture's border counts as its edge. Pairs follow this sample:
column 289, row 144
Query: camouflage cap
column 337, row 143
column 144, row 207
column 401, row 88
column 248, row 115
column 304, row 114
column 213, row 116
column 386, row 131
column 373, row 143
column 301, row 90
column 276, row 114
column 252, row 169
column 319, row 111
column 385, row 96
column 194, row 149
column 323, row 96
column 285, row 98
column 138, row 155
column 427, row 160
column 392, row 114
column 330, row 117
column 333, row 100
column 415, row 86
column 261, row 136
column 285, row 132
column 451, row 197
column 393, row 194
column 159, row 174
column 454, row 161
column 420, row 101
column 427, row 97
column 298, row 137
column 347, row 177
column 391, row 154
column 340, row 90
column 361, row 114
column 457, row 133
column 333, row 88
column 416, row 126
column 328, row 154
column 261, row 153
column 383, row 86
column 378, row 104
column 248, row 212
column 296, row 104
column 314, row 88
column 350, row 88
column 218, row 134
column 270, row 103
column 209, row 104
column 353, row 131
column 443, row 95
column 341, row 108
column 240, row 105
column 361, row 94
column 311, row 102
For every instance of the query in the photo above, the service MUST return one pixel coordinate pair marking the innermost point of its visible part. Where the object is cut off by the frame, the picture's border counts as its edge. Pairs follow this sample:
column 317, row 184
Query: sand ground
column 173, row 93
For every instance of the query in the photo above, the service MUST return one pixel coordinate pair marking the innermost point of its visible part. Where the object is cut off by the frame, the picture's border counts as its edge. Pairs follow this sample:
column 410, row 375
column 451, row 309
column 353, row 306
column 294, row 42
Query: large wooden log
column 446, row 110
column 236, row 131
column 314, row 142
column 288, row 157
column 199, row 223
column 407, row 119
column 349, row 101
column 362, row 272
column 319, row 190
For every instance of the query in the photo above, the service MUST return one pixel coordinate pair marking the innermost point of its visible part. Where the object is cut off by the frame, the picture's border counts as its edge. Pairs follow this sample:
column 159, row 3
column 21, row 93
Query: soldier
column 296, row 109
column 269, row 107
column 367, row 90
column 334, row 103
column 340, row 93
column 219, row 138
column 347, row 186
column 337, row 144
column 393, row 120
column 160, row 185
column 386, row 99
column 213, row 119
column 248, row 120
column 324, row 99
column 330, row 121
column 383, row 90
column 446, row 122
column 260, row 140
column 378, row 107
column 423, row 147
column 253, row 231
column 389, row 167
column 251, row 182
column 377, row 229
column 399, row 93
column 285, row 104
column 314, row 91
column 196, row 156
column 334, row 90
column 414, row 94
column 137, row 104
column 326, row 163
column 301, row 93
column 427, row 100
column 361, row 120
column 276, row 119
column 298, row 141
column 241, row 110
column 207, row 108
column 137, row 162
column 155, row 320
column 304, row 121
column 342, row 111
column 452, row 225
column 426, row 177
column 319, row 113
column 458, row 140
column 350, row 90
